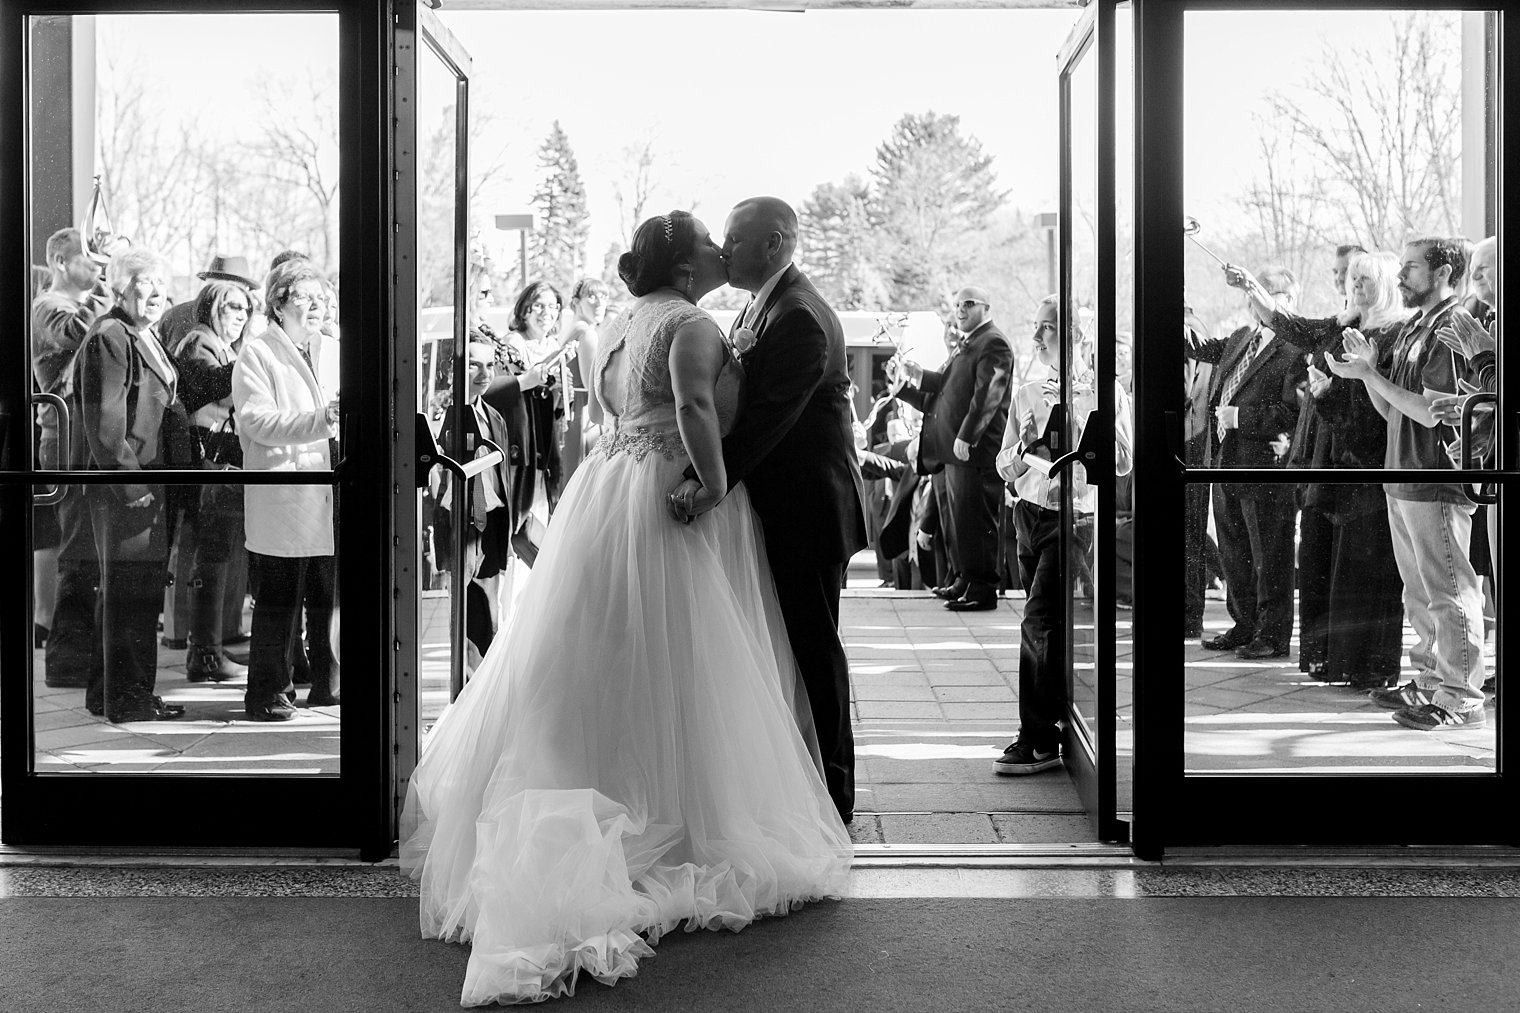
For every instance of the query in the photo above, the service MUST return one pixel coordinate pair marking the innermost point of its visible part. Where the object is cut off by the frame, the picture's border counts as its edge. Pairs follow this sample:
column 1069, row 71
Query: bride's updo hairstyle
column 660, row 245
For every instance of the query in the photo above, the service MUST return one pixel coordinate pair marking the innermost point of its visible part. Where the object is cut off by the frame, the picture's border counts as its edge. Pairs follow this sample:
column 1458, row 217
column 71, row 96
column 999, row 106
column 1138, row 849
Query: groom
column 793, row 448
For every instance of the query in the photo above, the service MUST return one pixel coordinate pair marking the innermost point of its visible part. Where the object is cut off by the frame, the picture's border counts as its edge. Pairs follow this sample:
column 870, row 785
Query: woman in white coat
column 284, row 422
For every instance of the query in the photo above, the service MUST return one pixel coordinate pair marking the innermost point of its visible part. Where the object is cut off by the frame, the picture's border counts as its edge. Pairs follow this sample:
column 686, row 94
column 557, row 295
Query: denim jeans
column 1443, row 598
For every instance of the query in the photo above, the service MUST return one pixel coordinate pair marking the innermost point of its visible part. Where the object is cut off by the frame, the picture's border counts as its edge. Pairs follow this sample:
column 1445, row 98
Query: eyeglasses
column 307, row 299
column 966, row 304
column 544, row 307
column 235, row 307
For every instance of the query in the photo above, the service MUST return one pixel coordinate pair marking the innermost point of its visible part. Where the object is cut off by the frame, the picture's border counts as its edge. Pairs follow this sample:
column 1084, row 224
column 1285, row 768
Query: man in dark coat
column 793, row 447
column 965, row 410
column 1253, row 405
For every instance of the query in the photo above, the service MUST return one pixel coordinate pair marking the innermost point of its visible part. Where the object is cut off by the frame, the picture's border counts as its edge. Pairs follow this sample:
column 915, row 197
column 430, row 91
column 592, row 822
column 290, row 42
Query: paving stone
column 938, row 770
column 903, row 692
column 999, row 693
column 865, row 828
column 1048, row 792
column 963, row 828
column 1041, row 828
column 982, row 711
column 869, row 709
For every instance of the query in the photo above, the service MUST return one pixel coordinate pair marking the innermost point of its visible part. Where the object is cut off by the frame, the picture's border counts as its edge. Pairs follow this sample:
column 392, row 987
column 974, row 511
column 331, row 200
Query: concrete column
column 1479, row 126
column 62, row 123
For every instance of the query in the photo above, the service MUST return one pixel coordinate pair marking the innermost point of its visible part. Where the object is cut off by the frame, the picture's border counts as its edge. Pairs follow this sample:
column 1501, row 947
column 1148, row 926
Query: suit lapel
column 157, row 360
column 788, row 278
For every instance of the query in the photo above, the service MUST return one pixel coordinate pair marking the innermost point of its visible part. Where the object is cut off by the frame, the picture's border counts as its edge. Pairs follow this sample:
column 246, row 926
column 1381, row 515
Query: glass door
column 447, row 606
column 195, row 270
column 1327, row 480
column 1088, row 431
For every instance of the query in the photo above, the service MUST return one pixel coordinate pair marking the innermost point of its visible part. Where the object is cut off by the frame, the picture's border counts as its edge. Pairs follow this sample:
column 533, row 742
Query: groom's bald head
column 760, row 238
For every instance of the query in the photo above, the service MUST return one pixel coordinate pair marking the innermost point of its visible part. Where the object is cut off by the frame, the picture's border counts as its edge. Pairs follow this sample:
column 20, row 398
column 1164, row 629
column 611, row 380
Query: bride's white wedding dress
column 627, row 757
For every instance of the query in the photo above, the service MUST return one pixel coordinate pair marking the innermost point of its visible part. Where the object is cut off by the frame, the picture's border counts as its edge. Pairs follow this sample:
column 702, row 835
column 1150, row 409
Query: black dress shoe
column 315, row 699
column 950, row 592
column 160, row 711
column 278, row 709
column 1226, row 641
column 972, row 604
column 847, row 818
column 1260, row 649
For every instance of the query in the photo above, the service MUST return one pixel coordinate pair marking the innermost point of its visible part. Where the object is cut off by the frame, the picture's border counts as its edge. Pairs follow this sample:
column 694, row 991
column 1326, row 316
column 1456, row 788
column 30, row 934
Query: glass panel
column 1310, row 166
column 139, row 675
column 158, row 207
column 1359, row 303
column 1077, row 365
column 443, row 592
column 1330, row 700
column 1124, row 326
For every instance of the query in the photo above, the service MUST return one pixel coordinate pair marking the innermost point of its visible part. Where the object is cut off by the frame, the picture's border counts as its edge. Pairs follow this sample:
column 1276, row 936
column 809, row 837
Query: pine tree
column 933, row 190
column 840, row 250
column 557, row 245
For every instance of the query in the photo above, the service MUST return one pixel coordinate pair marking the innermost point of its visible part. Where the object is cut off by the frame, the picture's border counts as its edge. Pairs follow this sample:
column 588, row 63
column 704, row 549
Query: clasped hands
column 691, row 499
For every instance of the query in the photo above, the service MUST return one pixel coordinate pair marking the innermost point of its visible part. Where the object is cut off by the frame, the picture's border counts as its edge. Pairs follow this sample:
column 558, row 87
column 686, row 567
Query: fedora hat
column 229, row 269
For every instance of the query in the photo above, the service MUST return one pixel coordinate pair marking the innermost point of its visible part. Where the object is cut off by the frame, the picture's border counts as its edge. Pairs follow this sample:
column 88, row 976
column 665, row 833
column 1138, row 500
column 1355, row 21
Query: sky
column 745, row 102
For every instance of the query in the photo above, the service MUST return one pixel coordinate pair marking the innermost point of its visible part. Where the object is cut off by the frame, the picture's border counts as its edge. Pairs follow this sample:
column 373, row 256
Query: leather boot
column 210, row 664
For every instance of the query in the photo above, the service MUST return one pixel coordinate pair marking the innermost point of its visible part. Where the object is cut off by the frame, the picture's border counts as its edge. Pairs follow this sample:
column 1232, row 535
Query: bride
column 634, row 752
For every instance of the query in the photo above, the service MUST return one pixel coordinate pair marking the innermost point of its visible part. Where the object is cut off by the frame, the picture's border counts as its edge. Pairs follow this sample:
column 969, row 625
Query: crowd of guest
column 528, row 393
column 229, row 379
column 967, row 510
column 1380, row 384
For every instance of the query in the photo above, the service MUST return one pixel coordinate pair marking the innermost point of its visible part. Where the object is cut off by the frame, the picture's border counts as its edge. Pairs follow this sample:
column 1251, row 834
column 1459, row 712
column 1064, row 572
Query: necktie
column 1237, row 376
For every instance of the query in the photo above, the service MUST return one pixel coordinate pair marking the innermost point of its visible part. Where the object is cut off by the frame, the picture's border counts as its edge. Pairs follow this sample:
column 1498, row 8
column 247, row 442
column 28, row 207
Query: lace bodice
column 633, row 377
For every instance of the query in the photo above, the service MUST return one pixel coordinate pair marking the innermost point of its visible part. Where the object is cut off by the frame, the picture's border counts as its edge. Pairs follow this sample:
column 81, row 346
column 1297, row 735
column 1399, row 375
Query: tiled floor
column 935, row 701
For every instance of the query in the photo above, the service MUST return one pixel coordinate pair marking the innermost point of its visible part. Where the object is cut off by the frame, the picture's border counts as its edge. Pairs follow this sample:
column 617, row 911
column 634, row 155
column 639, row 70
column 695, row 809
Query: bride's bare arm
column 697, row 356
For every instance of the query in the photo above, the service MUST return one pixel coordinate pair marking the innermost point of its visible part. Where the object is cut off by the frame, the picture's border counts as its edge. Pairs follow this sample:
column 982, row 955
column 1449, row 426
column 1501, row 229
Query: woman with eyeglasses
column 284, row 421
column 206, row 356
column 532, row 330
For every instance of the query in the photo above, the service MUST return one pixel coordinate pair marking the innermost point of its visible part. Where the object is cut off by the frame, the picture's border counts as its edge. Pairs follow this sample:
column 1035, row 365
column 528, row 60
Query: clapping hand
column 1465, row 336
column 1359, row 360
column 1319, row 381
column 1447, row 408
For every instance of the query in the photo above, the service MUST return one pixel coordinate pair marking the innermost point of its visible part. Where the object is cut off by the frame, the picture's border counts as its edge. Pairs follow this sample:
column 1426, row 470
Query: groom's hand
column 681, row 499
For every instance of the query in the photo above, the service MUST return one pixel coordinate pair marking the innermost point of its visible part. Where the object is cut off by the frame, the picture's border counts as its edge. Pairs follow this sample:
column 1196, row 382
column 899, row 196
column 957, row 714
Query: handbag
column 221, row 451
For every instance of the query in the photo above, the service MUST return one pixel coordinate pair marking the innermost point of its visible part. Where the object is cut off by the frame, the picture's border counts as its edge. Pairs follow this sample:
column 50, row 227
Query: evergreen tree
column 839, row 249
column 557, row 245
column 934, row 190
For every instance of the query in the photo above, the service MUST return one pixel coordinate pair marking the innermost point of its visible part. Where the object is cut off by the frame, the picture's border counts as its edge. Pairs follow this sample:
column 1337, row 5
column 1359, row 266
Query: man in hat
column 178, row 320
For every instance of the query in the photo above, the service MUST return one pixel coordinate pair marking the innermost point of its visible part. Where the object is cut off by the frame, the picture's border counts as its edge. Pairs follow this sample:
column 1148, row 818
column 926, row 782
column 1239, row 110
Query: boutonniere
column 744, row 340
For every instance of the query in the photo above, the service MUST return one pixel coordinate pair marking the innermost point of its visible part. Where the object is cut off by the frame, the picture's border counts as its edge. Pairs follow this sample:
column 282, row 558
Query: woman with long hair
column 1360, row 637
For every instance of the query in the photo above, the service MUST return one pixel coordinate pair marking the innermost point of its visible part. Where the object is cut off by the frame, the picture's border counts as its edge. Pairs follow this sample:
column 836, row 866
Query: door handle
column 1085, row 453
column 56, row 493
column 1485, row 493
column 429, row 455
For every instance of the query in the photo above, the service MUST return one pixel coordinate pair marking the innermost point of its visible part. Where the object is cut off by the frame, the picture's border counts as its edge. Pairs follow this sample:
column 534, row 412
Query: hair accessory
column 670, row 228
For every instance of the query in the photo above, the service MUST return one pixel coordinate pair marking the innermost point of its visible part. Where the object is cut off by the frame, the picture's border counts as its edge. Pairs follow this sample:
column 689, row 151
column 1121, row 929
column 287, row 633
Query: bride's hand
column 704, row 500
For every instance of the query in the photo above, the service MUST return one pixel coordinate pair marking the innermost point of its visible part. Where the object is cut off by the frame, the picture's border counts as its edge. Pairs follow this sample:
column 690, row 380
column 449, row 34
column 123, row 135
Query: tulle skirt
column 632, row 754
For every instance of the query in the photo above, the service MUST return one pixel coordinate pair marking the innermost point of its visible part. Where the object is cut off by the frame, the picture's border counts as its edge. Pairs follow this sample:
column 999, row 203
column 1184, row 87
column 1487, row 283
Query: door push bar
column 428, row 455
column 1084, row 453
column 1484, row 493
column 55, row 493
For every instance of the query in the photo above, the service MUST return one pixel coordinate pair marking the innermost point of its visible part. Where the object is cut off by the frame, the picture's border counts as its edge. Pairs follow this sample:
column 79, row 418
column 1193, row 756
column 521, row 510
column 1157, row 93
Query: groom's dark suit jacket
column 793, row 446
